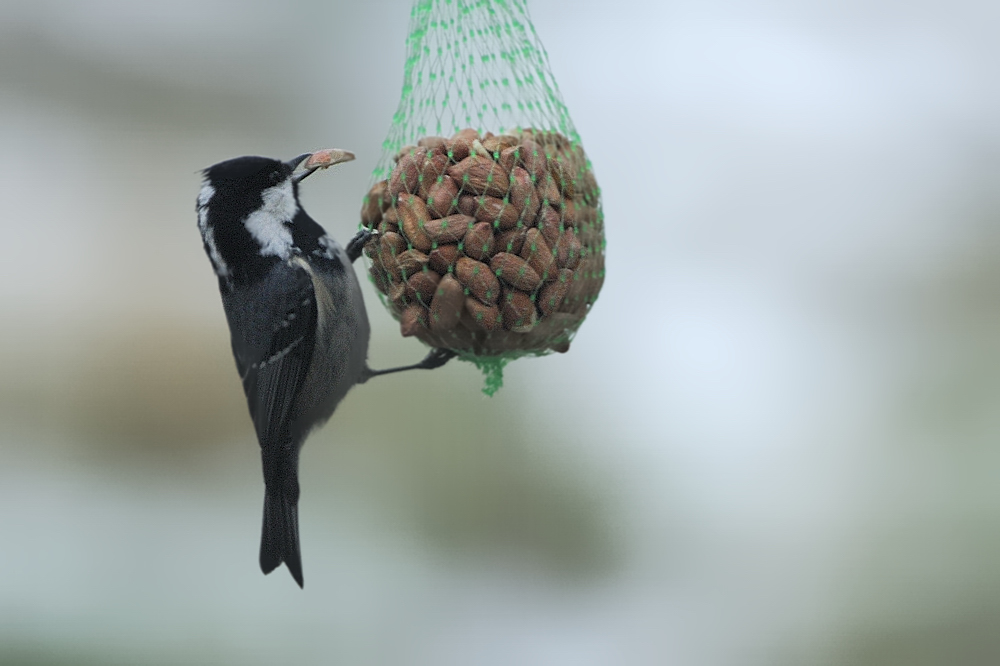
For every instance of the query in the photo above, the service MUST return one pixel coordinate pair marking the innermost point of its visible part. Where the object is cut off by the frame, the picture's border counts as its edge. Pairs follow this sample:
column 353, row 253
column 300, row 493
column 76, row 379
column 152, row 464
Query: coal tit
column 296, row 318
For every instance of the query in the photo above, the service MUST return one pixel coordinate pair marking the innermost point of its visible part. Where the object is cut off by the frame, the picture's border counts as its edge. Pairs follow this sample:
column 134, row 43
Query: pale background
column 774, row 441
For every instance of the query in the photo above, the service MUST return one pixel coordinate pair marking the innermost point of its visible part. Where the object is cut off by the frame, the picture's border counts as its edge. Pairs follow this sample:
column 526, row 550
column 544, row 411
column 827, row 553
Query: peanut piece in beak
column 323, row 159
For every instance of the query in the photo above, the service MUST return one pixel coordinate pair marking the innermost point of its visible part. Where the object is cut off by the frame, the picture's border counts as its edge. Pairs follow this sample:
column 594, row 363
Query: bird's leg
column 357, row 244
column 435, row 359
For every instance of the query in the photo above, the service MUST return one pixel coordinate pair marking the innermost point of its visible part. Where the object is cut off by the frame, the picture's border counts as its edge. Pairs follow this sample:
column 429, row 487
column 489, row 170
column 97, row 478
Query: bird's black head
column 249, row 176
column 249, row 215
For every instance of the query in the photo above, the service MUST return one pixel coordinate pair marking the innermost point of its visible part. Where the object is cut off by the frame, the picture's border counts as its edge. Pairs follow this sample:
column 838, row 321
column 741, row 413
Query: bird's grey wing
column 273, row 326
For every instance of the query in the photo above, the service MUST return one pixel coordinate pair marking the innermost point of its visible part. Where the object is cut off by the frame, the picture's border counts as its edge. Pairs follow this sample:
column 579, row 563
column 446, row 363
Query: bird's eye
column 276, row 176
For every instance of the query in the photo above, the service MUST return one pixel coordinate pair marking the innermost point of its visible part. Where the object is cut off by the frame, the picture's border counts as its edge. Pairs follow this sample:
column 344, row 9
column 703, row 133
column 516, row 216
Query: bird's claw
column 436, row 358
column 357, row 244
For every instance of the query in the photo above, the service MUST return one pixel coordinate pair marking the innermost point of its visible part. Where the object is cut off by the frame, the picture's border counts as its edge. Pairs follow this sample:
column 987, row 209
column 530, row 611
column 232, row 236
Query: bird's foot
column 357, row 244
column 435, row 359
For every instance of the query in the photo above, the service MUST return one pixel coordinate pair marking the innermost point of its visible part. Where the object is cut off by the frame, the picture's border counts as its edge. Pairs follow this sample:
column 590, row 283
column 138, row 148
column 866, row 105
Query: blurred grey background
column 774, row 441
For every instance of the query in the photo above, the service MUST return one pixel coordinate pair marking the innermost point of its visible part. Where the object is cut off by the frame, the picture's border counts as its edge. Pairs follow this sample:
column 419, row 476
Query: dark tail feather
column 279, row 539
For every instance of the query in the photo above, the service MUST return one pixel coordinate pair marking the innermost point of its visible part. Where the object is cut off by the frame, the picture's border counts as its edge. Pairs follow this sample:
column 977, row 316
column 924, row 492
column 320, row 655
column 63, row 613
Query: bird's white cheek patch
column 268, row 225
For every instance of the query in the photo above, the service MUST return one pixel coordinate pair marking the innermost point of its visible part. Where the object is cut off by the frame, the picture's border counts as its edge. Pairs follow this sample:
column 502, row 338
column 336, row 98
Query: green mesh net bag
column 491, row 234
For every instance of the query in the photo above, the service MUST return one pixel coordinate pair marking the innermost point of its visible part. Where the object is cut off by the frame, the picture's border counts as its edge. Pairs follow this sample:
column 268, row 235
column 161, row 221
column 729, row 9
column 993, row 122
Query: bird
column 298, row 326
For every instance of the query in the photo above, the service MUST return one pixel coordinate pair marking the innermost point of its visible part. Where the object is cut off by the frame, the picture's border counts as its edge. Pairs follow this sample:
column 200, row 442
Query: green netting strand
column 473, row 64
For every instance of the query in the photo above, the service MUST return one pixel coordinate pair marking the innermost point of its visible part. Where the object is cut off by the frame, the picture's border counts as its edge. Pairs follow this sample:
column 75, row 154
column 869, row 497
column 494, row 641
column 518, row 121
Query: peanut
column 406, row 176
column 443, row 257
column 446, row 307
column 449, row 229
column 412, row 320
column 420, row 287
column 375, row 202
column 552, row 294
column 413, row 217
column 480, row 175
column 478, row 242
column 538, row 255
column 515, row 271
column 486, row 317
column 498, row 212
column 478, row 279
column 518, row 311
column 442, row 197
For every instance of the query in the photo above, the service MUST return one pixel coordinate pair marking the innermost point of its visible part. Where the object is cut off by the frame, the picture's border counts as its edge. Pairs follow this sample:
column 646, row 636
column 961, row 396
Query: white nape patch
column 267, row 224
column 206, row 194
column 207, row 232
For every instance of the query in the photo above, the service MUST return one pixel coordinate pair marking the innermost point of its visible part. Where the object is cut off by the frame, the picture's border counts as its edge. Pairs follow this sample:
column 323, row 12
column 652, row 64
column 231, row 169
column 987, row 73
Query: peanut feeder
column 490, row 231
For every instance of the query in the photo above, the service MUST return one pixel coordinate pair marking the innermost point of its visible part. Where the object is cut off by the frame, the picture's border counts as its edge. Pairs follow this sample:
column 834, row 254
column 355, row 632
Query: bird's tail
column 279, row 539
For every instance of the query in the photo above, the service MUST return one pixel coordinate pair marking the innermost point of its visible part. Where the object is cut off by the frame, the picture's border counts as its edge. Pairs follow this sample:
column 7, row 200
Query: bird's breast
column 341, row 348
